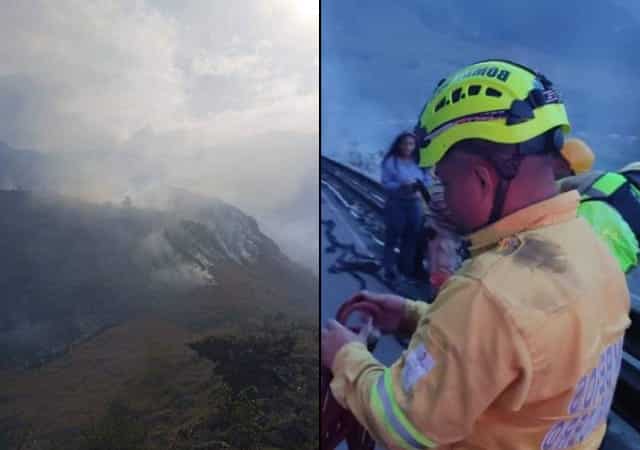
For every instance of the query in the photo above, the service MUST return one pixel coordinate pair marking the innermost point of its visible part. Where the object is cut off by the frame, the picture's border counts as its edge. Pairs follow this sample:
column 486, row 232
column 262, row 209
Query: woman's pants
column 403, row 221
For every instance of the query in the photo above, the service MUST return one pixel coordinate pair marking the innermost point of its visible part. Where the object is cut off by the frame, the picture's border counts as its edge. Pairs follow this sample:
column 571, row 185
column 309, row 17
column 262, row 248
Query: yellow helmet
column 578, row 155
column 494, row 100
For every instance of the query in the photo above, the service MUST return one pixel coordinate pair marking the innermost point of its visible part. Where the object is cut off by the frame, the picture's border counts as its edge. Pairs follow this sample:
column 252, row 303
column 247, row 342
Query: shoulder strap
column 604, row 186
column 624, row 197
column 633, row 176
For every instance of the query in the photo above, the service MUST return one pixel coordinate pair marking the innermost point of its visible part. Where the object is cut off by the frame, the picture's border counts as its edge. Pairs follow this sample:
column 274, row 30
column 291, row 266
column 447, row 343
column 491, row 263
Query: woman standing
column 401, row 178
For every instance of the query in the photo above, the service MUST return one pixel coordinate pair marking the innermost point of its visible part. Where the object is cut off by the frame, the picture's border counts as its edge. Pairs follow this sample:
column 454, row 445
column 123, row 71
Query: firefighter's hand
column 392, row 317
column 335, row 336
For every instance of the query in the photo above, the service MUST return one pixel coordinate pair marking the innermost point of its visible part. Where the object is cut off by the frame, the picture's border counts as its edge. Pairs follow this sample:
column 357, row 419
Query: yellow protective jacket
column 520, row 350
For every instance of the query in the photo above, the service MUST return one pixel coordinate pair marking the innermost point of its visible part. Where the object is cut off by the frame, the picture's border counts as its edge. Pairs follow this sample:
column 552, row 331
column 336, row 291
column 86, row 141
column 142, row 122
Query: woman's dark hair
column 394, row 149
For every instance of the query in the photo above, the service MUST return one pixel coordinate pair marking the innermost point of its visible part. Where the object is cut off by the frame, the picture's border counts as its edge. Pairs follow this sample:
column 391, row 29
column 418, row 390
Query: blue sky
column 381, row 60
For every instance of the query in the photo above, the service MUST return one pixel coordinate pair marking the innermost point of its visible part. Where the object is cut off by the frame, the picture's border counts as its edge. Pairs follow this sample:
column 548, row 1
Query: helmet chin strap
column 506, row 173
column 498, row 199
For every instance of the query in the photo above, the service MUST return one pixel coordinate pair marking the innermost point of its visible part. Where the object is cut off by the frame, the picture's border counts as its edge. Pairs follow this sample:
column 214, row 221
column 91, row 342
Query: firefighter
column 523, row 344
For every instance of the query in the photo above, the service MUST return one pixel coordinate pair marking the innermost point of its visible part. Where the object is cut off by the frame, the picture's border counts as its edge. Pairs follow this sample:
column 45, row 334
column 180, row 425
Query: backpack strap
column 633, row 176
column 615, row 190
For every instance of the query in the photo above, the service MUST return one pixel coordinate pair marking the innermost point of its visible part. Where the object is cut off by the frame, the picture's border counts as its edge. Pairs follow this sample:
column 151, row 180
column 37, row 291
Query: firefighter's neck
column 534, row 183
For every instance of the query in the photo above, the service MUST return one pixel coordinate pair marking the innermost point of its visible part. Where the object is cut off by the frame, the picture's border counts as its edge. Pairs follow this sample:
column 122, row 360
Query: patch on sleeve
column 418, row 363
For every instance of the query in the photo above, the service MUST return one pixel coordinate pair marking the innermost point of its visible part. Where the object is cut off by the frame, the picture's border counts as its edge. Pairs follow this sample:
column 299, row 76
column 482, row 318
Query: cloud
column 220, row 97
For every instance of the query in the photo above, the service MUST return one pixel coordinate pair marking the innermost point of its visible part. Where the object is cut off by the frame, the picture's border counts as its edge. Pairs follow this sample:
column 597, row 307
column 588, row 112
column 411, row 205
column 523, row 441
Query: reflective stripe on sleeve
column 391, row 416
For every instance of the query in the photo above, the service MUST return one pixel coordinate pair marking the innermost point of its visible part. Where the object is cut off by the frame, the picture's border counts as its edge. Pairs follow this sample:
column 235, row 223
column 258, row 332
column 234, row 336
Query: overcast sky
column 216, row 96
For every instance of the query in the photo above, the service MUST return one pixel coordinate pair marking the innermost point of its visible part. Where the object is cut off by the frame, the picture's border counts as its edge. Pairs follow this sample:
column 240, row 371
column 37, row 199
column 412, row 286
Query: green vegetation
column 18, row 440
column 237, row 391
column 267, row 387
column 118, row 429
column 100, row 301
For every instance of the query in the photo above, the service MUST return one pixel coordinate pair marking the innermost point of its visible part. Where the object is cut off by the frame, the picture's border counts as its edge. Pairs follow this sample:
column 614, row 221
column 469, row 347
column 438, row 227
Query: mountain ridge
column 71, row 267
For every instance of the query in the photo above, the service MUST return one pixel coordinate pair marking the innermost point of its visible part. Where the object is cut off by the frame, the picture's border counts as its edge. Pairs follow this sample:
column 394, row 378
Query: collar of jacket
column 581, row 183
column 561, row 208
